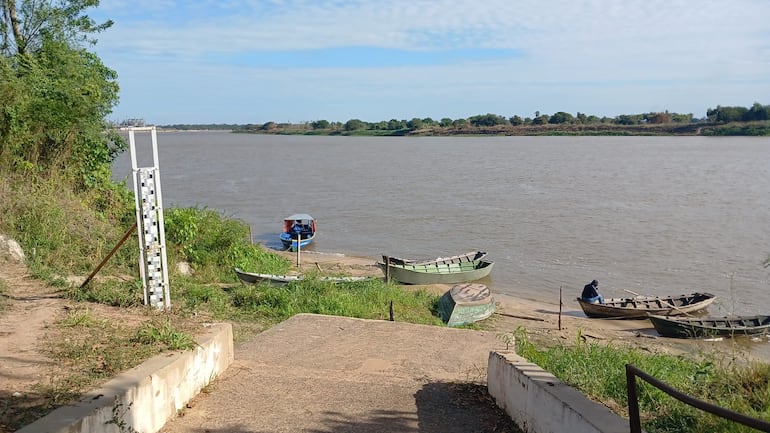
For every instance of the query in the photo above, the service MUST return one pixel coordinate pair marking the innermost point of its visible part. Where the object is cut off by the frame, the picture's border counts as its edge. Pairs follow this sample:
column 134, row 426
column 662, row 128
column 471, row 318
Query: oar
column 631, row 292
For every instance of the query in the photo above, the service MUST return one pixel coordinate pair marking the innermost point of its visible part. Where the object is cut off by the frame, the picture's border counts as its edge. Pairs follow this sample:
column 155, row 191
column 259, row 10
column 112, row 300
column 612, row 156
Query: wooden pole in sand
column 560, row 304
column 98, row 268
column 387, row 269
column 299, row 247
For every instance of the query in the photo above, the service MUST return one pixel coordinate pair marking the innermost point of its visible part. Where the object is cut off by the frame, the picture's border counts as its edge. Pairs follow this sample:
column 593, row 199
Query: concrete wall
column 539, row 403
column 145, row 397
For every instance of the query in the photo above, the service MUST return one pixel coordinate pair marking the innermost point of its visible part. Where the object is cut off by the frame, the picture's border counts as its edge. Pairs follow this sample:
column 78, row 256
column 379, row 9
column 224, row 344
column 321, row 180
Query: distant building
column 131, row 122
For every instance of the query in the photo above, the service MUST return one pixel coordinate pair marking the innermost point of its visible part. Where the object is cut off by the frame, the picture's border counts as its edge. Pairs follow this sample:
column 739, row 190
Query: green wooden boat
column 708, row 327
column 437, row 273
column 466, row 303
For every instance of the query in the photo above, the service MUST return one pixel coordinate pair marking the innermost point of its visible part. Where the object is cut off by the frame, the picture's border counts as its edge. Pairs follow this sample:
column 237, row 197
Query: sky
column 250, row 62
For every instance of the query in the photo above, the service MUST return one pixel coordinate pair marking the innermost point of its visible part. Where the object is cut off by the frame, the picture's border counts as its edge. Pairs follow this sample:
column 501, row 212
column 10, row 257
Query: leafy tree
column 320, row 124
column 487, row 120
column 681, row 118
column 354, row 125
column 459, row 123
column 415, row 124
column 516, row 120
column 445, row 122
column 54, row 93
column 395, row 125
column 758, row 112
column 561, row 117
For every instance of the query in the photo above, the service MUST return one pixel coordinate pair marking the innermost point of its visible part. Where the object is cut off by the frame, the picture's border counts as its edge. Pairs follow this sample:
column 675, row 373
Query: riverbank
column 545, row 322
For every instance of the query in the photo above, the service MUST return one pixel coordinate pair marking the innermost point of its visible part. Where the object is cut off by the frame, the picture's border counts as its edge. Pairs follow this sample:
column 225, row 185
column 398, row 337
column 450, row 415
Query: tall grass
column 59, row 230
column 3, row 291
column 213, row 244
column 599, row 371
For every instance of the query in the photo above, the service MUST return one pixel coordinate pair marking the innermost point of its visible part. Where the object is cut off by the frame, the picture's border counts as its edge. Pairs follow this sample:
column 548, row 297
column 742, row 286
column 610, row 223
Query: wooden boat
column 437, row 273
column 472, row 256
column 298, row 231
column 466, row 303
column 705, row 327
column 639, row 307
column 282, row 280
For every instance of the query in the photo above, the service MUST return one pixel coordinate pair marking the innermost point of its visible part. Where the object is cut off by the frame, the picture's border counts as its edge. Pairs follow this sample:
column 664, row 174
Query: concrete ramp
column 316, row 373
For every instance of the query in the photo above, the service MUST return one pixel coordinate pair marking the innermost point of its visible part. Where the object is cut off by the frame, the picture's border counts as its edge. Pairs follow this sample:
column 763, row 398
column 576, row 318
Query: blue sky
column 239, row 61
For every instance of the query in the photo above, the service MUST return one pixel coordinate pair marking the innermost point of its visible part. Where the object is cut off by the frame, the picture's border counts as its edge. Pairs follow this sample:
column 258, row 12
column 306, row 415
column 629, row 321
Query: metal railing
column 633, row 403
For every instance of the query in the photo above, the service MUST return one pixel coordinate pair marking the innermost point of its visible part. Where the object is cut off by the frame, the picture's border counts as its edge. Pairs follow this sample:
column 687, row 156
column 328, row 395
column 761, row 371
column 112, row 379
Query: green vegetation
column 58, row 200
column 3, row 291
column 599, row 371
column 91, row 349
column 746, row 121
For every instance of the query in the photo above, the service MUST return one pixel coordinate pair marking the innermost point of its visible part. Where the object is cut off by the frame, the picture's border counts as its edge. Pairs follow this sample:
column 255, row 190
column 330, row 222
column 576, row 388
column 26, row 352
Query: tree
column 516, row 120
column 26, row 24
column 415, row 124
column 54, row 94
column 758, row 112
column 320, row 124
column 487, row 120
column 561, row 117
column 354, row 125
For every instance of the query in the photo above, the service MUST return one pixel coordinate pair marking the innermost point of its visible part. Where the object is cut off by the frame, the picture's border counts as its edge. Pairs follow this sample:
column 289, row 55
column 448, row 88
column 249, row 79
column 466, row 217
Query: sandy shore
column 543, row 321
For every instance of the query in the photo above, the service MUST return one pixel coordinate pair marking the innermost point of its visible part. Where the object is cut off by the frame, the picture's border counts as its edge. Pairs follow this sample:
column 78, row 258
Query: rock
column 9, row 248
column 184, row 268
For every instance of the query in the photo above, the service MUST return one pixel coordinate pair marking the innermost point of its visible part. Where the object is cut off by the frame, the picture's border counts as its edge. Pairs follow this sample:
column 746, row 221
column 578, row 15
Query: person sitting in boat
column 591, row 293
column 297, row 228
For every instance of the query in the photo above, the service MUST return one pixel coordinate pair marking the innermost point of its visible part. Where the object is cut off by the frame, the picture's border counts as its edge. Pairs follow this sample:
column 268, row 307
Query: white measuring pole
column 153, row 266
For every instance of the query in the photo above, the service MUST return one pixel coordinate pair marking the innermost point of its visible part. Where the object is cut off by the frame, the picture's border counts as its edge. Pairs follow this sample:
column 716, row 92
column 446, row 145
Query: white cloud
column 595, row 56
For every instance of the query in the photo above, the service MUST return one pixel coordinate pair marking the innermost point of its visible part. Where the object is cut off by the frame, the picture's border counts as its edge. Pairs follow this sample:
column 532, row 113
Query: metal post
column 299, row 247
column 560, row 304
column 635, row 423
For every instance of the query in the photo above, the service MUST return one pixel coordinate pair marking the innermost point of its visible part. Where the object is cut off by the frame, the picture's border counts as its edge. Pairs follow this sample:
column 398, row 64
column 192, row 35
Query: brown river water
column 650, row 215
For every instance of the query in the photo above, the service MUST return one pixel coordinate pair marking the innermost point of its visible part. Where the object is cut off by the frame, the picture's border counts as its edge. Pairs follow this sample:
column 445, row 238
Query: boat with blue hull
column 299, row 230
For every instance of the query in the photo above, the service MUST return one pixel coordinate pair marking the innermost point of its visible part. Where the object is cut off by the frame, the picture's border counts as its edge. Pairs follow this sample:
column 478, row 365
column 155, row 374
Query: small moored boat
column 706, row 327
column 466, row 303
column 437, row 273
column 282, row 280
column 298, row 231
column 640, row 306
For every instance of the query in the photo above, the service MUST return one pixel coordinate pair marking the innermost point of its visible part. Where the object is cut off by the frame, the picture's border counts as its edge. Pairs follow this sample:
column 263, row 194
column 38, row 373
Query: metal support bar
column 633, row 403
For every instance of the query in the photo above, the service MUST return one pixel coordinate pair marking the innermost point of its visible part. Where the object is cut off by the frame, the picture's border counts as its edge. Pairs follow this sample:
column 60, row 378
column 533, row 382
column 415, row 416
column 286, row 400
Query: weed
column 3, row 295
column 743, row 388
column 161, row 332
column 118, row 418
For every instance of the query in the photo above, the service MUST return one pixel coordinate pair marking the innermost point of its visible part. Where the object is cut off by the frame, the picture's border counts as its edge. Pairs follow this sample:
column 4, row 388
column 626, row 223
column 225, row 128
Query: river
column 650, row 215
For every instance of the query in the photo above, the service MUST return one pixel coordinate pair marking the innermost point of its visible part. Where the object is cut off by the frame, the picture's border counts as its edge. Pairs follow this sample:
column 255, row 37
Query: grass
column 599, row 371
column 3, row 295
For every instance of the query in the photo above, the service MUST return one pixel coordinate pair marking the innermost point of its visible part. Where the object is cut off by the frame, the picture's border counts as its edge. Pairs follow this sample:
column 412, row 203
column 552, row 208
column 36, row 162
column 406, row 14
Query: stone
column 9, row 248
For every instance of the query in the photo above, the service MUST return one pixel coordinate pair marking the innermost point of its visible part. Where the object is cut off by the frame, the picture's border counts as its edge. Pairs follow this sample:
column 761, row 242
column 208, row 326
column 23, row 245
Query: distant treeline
column 754, row 120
